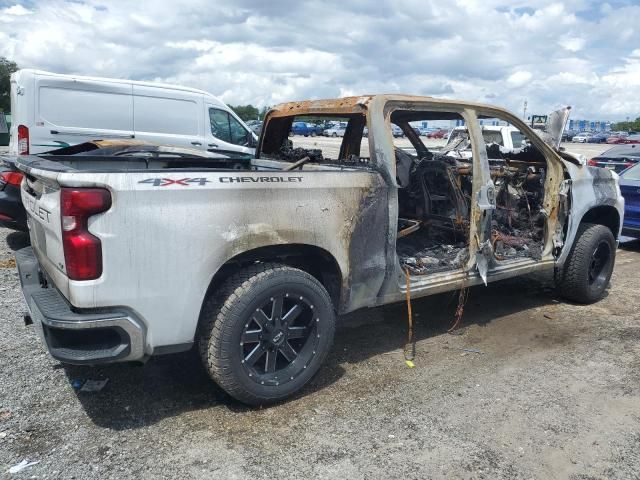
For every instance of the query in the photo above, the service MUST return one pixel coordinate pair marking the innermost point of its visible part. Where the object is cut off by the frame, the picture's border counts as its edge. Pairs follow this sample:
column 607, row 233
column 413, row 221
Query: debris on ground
column 469, row 350
column 22, row 465
column 434, row 259
column 10, row 263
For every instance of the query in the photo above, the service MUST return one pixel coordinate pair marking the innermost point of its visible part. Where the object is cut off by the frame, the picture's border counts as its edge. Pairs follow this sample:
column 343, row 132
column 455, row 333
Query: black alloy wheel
column 599, row 265
column 265, row 332
column 280, row 339
column 587, row 270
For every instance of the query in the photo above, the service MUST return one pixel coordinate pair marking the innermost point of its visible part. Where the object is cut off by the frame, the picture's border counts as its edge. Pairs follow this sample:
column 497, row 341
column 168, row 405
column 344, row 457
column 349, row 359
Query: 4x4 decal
column 185, row 182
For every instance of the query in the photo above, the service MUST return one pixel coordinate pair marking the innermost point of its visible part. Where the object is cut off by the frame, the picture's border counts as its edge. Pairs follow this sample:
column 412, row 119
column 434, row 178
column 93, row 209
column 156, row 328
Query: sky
column 580, row 53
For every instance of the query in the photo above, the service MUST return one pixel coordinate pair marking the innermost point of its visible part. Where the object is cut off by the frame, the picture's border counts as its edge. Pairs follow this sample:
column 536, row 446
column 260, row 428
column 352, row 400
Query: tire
column 334, row 134
column 251, row 352
column 587, row 271
column 313, row 134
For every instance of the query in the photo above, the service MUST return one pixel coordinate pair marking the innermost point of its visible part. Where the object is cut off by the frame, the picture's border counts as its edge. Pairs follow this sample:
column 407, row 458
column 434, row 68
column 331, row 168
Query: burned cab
column 469, row 209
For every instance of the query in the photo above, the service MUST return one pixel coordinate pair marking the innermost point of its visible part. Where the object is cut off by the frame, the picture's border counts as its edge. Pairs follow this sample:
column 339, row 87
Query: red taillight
column 23, row 140
column 12, row 178
column 82, row 250
column 592, row 163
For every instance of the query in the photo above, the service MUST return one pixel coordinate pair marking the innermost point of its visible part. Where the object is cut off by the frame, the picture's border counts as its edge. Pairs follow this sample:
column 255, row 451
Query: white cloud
column 520, row 78
column 250, row 51
column 573, row 44
column 16, row 10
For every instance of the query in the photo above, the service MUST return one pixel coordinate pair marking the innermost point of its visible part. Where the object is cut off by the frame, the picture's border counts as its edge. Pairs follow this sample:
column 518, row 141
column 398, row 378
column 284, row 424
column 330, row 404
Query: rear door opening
column 434, row 196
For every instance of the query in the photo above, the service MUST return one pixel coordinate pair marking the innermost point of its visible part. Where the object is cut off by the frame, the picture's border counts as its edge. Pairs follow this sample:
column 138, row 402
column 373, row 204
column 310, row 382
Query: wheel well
column 314, row 260
column 604, row 215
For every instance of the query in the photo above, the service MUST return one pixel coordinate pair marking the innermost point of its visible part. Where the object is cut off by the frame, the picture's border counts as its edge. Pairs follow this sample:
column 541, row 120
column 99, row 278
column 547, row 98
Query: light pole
column 524, row 110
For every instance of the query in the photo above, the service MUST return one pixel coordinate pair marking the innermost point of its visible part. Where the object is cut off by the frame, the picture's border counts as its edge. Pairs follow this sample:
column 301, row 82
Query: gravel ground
column 554, row 393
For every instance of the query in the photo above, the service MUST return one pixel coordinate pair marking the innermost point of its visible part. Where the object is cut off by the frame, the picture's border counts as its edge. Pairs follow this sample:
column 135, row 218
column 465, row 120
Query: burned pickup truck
column 133, row 257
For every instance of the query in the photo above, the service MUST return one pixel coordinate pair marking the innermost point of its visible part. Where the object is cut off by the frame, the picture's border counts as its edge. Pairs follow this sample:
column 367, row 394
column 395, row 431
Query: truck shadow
column 137, row 396
column 17, row 240
column 630, row 244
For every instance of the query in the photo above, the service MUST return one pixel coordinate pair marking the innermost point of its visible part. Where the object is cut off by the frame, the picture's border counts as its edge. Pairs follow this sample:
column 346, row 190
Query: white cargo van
column 52, row 111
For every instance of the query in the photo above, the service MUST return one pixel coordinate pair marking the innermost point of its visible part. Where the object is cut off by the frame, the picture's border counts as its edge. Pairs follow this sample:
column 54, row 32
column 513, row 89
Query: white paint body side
column 162, row 245
column 590, row 187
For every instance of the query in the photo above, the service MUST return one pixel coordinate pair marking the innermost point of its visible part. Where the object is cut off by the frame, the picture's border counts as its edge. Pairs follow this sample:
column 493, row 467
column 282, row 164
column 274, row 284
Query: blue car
column 630, row 187
column 306, row 129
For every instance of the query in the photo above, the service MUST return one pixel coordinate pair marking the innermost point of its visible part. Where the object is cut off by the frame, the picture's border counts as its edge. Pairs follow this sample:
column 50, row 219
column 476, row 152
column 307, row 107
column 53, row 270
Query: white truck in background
column 507, row 138
column 52, row 111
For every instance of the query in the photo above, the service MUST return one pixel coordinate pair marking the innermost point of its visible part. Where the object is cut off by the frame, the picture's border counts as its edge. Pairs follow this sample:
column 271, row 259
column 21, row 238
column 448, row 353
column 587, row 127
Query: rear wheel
column 265, row 334
column 588, row 269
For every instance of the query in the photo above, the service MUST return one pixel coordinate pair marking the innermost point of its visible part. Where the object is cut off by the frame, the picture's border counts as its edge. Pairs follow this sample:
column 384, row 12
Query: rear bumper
column 77, row 337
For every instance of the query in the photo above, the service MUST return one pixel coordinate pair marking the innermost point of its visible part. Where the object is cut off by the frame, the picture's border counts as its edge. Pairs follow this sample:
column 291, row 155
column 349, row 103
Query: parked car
column 617, row 137
column 306, row 128
column 12, row 214
column 315, row 129
column 630, row 188
column 255, row 126
column 634, row 138
column 507, row 137
column 438, row 134
column 598, row 138
column 133, row 257
column 617, row 158
column 567, row 135
column 396, row 131
column 299, row 128
column 583, row 137
column 337, row 131
column 53, row 111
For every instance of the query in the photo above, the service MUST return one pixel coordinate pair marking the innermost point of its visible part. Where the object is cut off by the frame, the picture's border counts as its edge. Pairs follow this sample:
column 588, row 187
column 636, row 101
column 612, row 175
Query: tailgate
column 41, row 198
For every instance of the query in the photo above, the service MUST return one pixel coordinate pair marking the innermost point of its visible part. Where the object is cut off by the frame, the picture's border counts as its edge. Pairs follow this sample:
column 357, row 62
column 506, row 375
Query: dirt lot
column 553, row 393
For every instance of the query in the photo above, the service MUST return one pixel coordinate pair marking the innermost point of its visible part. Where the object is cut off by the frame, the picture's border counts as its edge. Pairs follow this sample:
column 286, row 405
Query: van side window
column 227, row 128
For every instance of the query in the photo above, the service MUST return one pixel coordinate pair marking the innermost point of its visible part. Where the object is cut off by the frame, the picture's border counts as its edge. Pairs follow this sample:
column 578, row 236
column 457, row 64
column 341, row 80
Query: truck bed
column 109, row 164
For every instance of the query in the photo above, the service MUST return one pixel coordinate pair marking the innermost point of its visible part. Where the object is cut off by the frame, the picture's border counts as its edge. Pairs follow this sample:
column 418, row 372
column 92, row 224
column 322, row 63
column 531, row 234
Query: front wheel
column 587, row 271
column 265, row 334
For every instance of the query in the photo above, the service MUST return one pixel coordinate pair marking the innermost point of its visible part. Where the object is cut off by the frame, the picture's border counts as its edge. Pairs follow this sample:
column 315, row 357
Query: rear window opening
column 323, row 139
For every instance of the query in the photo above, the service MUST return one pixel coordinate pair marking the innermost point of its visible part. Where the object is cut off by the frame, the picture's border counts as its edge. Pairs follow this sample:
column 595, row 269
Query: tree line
column 7, row 67
column 249, row 112
column 632, row 126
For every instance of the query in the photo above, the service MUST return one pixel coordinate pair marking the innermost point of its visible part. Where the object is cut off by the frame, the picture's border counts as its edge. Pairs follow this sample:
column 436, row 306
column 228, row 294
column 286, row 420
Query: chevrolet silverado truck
column 139, row 256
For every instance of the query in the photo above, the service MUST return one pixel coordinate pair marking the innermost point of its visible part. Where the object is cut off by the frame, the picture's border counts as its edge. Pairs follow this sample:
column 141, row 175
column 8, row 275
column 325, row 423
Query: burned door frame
column 551, row 203
column 481, row 192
